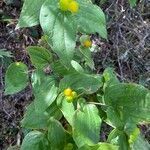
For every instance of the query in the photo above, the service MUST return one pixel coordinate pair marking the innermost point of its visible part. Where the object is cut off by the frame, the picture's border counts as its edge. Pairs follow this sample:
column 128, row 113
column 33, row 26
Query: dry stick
column 119, row 63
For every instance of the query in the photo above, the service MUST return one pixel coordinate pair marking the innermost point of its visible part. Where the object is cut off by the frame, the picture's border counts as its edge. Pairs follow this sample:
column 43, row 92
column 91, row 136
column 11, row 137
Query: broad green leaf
column 107, row 146
column 130, row 101
column 109, row 77
column 16, row 78
column 91, row 19
column 123, row 142
column 54, row 111
column 34, row 120
column 140, row 144
column 44, row 90
column 30, row 13
column 86, row 126
column 40, row 57
column 86, row 53
column 132, row 3
column 56, row 134
column 81, row 83
column 113, row 136
column 34, row 140
column 67, row 109
column 120, row 138
column 100, row 146
column 113, row 118
column 60, row 69
column 77, row 66
column 132, row 131
column 61, row 30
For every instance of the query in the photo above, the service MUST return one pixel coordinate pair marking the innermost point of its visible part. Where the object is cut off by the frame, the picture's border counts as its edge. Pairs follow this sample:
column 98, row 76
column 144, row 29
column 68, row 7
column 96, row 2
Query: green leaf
column 44, row 90
column 113, row 136
column 40, row 57
column 54, row 111
column 130, row 101
column 60, row 28
column 60, row 69
column 99, row 146
column 107, row 146
column 119, row 138
column 133, row 136
column 86, row 126
column 67, row 109
column 16, row 78
column 56, row 134
column 114, row 118
column 34, row 120
column 30, row 13
column 77, row 66
column 141, row 144
column 34, row 140
column 86, row 53
column 91, row 19
column 132, row 3
column 123, row 141
column 109, row 77
column 81, row 83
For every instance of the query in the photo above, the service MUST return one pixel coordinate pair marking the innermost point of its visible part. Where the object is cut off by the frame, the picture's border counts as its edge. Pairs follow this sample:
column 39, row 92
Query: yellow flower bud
column 74, row 94
column 73, row 7
column 134, row 135
column 64, row 4
column 87, row 43
column 17, row 63
column 69, row 146
column 69, row 99
column 68, row 92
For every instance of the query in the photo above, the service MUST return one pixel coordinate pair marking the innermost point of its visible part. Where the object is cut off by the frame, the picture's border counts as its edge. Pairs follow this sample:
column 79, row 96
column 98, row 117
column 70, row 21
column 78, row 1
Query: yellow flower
column 87, row 43
column 68, row 92
column 64, row 4
column 73, row 7
column 69, row 95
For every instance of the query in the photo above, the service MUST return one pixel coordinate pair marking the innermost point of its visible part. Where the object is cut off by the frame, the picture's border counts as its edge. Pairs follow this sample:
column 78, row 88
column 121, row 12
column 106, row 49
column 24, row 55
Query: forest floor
column 127, row 50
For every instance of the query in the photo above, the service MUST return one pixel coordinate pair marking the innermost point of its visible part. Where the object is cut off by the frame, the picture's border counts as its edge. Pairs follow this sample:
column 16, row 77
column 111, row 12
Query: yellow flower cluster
column 70, row 95
column 69, row 5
